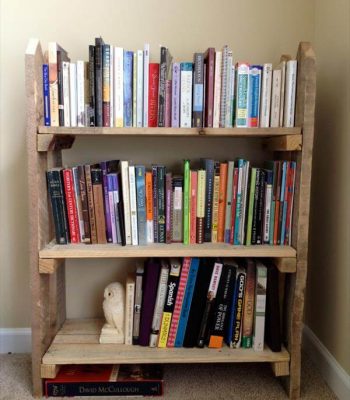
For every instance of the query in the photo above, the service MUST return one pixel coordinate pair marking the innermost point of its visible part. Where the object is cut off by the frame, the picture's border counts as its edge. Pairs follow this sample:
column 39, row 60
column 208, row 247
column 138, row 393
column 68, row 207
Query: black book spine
column 255, row 206
column 92, row 85
column 261, row 203
column 238, row 310
column 161, row 204
column 198, row 92
column 113, row 388
column 208, row 165
column 60, row 88
column 55, row 189
column 155, row 202
column 161, row 93
column 98, row 82
column 121, row 211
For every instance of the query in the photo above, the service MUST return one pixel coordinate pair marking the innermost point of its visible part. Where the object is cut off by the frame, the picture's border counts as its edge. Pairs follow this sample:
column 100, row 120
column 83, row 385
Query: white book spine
column 150, row 234
column 129, row 309
column 133, row 206
column 145, row 83
column 111, row 86
column 267, row 213
column 283, row 87
column 112, row 214
column 228, row 114
column 232, row 93
column 289, row 104
column 266, row 96
column 244, row 201
column 80, row 93
column 134, row 90
column 260, row 307
column 186, row 99
column 139, row 112
column 66, row 102
column 73, row 94
column 217, row 89
column 276, row 98
column 223, row 95
column 118, row 87
column 126, row 200
column 158, row 308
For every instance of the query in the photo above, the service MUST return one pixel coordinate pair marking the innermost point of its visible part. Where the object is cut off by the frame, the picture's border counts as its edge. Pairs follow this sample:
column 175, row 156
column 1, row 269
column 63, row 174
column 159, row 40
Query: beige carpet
column 187, row 382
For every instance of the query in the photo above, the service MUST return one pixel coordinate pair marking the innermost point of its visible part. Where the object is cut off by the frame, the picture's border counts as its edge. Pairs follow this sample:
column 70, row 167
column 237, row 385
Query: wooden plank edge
column 284, row 143
column 49, row 265
column 280, row 368
column 286, row 264
column 49, row 371
column 51, row 142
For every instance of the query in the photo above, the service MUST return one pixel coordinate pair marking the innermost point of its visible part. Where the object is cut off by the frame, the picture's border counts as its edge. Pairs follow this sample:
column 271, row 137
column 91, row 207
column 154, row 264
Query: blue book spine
column 255, row 72
column 186, row 305
column 141, row 203
column 128, row 76
column 238, row 202
column 46, row 93
column 109, row 235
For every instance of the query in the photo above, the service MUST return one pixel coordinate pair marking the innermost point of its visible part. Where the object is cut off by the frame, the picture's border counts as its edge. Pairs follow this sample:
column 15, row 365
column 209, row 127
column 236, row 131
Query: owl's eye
column 109, row 294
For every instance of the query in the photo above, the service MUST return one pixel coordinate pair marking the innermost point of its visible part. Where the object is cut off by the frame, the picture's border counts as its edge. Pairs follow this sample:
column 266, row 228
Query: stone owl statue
column 113, row 306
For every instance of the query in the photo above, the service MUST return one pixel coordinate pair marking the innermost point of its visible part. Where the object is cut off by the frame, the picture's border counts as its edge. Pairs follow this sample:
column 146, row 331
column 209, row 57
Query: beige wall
column 328, row 292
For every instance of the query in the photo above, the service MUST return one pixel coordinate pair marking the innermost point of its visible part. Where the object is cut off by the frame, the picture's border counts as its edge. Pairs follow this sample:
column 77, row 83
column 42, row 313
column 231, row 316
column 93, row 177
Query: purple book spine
column 155, row 202
column 148, row 300
column 106, row 203
column 168, row 193
column 110, row 186
column 168, row 103
column 175, row 95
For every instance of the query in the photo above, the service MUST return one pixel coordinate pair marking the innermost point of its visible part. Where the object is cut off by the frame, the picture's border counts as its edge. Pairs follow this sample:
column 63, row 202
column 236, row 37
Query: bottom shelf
column 77, row 342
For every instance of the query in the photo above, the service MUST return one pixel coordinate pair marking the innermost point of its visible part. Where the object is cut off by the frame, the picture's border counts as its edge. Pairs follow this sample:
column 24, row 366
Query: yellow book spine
column 164, row 330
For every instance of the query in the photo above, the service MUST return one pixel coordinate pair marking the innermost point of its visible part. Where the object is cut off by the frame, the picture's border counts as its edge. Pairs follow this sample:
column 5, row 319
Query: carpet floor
column 187, row 382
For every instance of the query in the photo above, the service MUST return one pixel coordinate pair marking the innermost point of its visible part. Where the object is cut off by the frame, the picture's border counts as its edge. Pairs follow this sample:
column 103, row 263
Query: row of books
column 227, row 202
column 203, row 302
column 121, row 88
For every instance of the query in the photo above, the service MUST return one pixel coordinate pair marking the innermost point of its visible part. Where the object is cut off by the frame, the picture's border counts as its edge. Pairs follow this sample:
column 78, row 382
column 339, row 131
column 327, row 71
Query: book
column 72, row 214
column 215, row 212
column 209, row 62
column 234, row 204
column 124, row 166
column 97, row 189
column 73, row 94
column 253, row 201
column 98, row 81
column 243, row 219
column 63, row 89
column 291, row 188
column 149, row 207
column 242, row 92
column 217, row 89
column 66, row 90
column 229, row 88
column 161, row 203
column 112, row 207
column 107, row 215
column 161, row 92
column 222, row 202
column 254, row 85
column 201, row 178
column 153, row 88
column 78, row 204
column 198, row 90
column 106, row 380
column 249, row 304
column 186, row 203
column 141, row 204
column 146, row 56
column 175, row 96
column 276, row 98
column 170, row 298
column 282, row 67
column 133, row 206
column 260, row 307
column 137, row 303
column 193, row 207
column 223, row 91
column 118, row 87
column 90, row 197
column 106, row 91
column 155, row 202
column 168, row 87
column 186, row 95
column 267, row 207
column 261, row 201
column 265, row 104
column 139, row 90
column 92, row 99
column 159, row 304
column 228, row 206
column 208, row 166
column 134, row 91
column 111, row 86
column 149, row 290
column 177, row 210
column 129, row 308
column 168, row 206
column 290, row 93
column 46, row 95
column 127, row 88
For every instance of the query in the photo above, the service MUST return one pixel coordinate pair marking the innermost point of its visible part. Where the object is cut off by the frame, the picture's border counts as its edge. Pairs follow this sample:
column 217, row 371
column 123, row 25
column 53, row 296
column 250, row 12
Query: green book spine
column 251, row 205
column 186, row 202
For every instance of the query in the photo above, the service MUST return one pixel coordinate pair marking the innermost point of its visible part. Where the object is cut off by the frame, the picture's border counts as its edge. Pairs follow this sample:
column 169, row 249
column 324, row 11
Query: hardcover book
column 137, row 303
column 118, row 87
column 153, row 88
column 98, row 81
column 198, row 89
column 209, row 61
column 217, row 89
column 177, row 210
column 161, row 203
column 46, row 94
column 208, row 166
column 201, row 178
column 106, row 103
column 90, row 197
column 97, row 189
column 72, row 214
column 249, row 304
column 141, row 204
column 129, row 307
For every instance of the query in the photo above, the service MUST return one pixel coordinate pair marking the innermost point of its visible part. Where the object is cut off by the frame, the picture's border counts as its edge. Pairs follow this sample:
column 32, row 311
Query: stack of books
column 122, row 88
column 201, row 302
column 219, row 202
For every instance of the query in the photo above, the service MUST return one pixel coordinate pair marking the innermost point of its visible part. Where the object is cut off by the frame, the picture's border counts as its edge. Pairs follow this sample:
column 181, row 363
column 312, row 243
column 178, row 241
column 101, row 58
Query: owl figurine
column 113, row 306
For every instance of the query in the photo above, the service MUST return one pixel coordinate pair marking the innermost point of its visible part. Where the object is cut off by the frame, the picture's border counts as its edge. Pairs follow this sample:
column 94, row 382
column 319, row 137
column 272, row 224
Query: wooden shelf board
column 53, row 250
column 77, row 343
column 202, row 132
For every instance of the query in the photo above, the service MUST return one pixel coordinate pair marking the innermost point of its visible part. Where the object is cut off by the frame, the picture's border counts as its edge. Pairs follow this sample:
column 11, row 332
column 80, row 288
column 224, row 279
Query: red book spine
column 233, row 204
column 193, row 206
column 209, row 87
column 71, row 206
column 178, row 303
column 106, row 114
column 168, row 84
column 153, row 94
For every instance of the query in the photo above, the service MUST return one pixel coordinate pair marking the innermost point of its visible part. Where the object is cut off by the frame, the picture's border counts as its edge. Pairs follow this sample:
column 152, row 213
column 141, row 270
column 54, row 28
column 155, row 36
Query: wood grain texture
column 48, row 371
column 286, row 265
column 280, row 368
column 49, row 265
column 51, row 142
column 284, row 143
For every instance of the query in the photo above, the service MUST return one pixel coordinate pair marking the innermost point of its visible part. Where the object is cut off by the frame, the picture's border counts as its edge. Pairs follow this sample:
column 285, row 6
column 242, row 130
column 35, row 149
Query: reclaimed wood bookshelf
column 57, row 341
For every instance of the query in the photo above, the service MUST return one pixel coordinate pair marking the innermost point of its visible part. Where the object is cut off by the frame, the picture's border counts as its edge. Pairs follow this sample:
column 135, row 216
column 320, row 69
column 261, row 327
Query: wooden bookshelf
column 56, row 340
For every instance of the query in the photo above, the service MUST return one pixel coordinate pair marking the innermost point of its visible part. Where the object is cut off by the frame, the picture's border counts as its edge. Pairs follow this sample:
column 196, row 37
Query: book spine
column 288, row 238
column 266, row 96
column 260, row 306
column 238, row 202
column 186, row 95
column 118, row 87
column 172, row 287
column 228, row 112
column 133, row 206
column 60, row 88
column 155, row 203
column 179, row 300
column 242, row 91
column 254, row 95
column 277, row 200
column 201, row 178
column 134, row 91
column 198, row 90
column 209, row 187
column 117, row 209
column 139, row 105
column 168, row 204
column 257, row 183
column 141, row 204
column 233, row 95
column 78, row 203
column 98, row 83
column 106, row 103
column 279, row 216
column 238, row 310
column 167, row 121
column 248, row 308
column 129, row 308
column 97, row 188
column 92, row 119
column 177, row 216
column 275, row 98
column 80, row 93
column 291, row 82
column 234, row 204
column 126, row 200
column 267, row 207
column 53, row 79
column 71, row 206
column 146, row 54
column 217, row 89
column 186, row 304
column 193, row 206
column 127, row 88
column 175, row 94
column 282, row 66
column 46, row 94
column 215, row 211
column 161, row 95
column 90, row 197
column 65, row 88
column 153, row 88
column 159, row 305
column 209, row 88
column 161, row 204
column 149, row 207
column 222, row 201
column 251, row 206
column 73, row 94
column 111, row 207
column 243, row 218
column 111, row 86
column 223, row 93
column 228, row 206
column 137, row 304
column 186, row 207
column 107, row 216
column 285, row 203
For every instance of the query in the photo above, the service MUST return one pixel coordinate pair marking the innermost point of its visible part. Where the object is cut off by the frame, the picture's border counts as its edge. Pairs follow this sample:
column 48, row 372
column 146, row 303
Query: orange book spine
column 222, row 201
column 149, row 207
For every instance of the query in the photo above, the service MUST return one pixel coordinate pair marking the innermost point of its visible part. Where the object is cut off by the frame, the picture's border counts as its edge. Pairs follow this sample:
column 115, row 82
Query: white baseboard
column 15, row 340
column 335, row 376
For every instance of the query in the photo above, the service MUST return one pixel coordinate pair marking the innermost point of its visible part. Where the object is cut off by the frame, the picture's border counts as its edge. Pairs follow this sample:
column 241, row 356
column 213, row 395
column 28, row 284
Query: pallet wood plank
column 49, row 371
column 284, row 143
column 280, row 368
